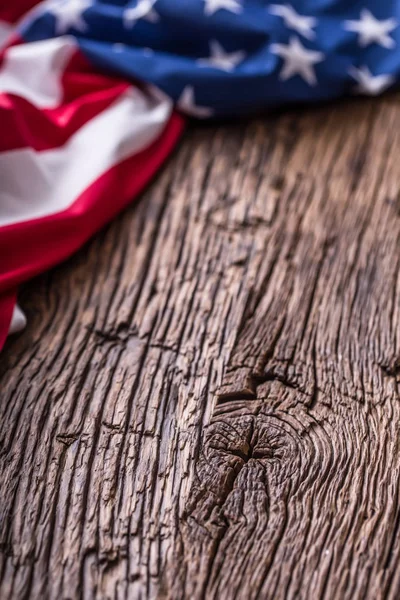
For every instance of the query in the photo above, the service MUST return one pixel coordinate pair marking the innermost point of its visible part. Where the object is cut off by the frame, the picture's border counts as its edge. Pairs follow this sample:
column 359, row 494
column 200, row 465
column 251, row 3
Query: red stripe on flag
column 13, row 10
column 25, row 125
column 85, row 93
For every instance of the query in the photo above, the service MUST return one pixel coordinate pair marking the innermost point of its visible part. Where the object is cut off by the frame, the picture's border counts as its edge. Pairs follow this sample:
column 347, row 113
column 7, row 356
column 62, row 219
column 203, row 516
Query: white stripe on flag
column 5, row 31
column 34, row 71
column 36, row 184
column 18, row 321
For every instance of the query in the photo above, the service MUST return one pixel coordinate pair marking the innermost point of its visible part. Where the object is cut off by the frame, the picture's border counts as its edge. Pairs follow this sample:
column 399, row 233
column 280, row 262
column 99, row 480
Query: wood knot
column 263, row 439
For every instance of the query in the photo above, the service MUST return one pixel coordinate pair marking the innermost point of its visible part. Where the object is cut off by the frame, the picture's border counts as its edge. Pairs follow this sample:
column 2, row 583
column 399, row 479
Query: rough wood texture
column 206, row 401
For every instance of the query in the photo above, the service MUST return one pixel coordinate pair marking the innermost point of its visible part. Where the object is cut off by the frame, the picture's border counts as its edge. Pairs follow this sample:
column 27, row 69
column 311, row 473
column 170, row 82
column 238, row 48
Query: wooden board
column 206, row 401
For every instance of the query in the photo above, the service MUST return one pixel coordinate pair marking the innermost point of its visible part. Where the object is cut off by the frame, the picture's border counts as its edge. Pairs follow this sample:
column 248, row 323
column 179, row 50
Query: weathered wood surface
column 206, row 401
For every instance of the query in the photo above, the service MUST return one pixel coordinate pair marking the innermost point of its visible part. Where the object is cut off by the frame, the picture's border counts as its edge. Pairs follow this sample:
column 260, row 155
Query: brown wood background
column 205, row 404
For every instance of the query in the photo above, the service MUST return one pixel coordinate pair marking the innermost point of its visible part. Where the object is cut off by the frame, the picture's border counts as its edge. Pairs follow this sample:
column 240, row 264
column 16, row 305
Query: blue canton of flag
column 231, row 57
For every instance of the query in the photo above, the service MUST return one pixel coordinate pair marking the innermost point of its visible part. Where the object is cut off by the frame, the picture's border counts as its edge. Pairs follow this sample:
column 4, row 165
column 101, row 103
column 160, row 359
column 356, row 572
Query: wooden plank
column 206, row 402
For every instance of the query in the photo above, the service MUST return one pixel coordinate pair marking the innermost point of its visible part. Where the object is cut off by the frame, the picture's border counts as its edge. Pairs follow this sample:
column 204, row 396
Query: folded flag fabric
column 89, row 89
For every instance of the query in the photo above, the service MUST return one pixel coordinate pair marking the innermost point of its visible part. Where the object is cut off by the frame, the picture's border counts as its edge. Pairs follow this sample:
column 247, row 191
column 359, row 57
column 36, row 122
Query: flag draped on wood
column 76, row 146
column 88, row 89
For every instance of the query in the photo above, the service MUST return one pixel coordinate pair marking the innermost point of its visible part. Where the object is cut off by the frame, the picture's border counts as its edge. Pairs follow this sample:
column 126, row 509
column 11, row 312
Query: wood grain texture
column 205, row 404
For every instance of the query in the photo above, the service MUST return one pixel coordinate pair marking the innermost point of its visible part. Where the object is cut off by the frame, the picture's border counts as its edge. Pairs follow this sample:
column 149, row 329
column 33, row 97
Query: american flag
column 91, row 93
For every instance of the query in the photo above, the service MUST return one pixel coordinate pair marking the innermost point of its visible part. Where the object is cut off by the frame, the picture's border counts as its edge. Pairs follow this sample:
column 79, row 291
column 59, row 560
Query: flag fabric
column 89, row 90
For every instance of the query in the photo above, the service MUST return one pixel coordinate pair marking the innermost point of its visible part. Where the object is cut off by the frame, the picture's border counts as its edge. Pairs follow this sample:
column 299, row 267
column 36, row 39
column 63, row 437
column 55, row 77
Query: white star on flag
column 143, row 10
column 372, row 30
column 292, row 19
column 297, row 60
column 119, row 47
column 219, row 59
column 371, row 85
column 68, row 13
column 187, row 104
column 211, row 6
